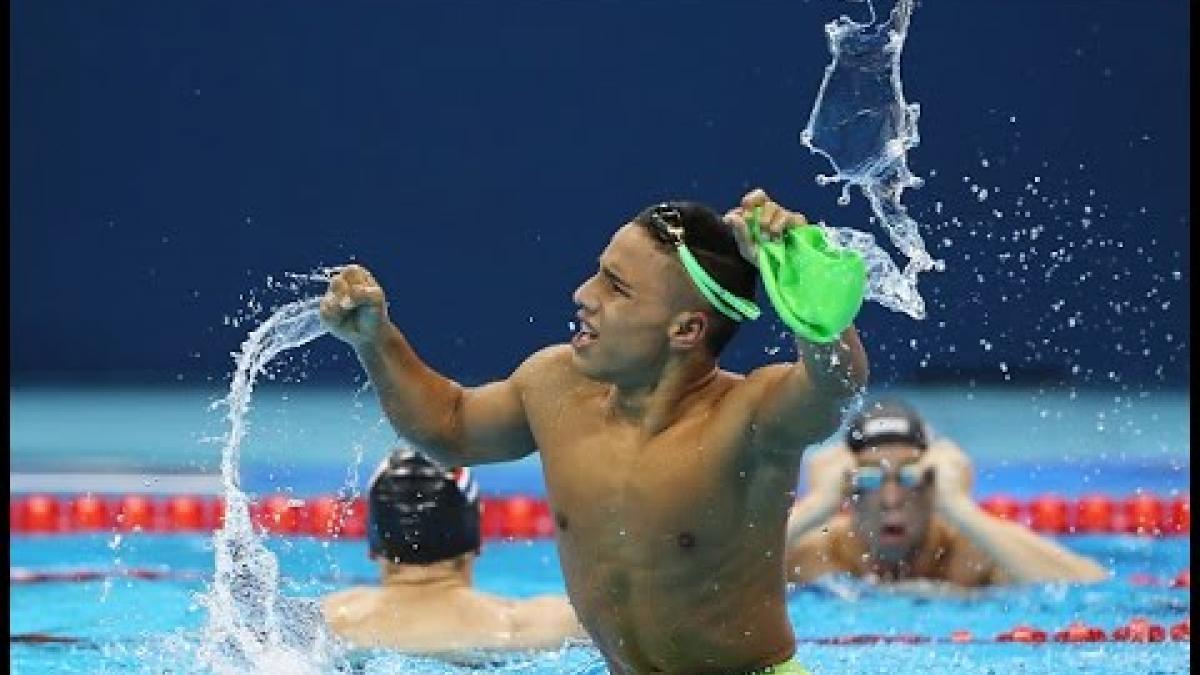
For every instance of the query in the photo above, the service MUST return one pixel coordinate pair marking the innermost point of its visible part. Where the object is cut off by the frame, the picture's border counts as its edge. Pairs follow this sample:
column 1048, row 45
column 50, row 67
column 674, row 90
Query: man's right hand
column 354, row 308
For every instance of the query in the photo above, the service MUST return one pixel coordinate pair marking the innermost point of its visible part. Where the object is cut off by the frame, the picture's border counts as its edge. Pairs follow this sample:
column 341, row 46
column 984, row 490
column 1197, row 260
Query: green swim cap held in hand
column 816, row 288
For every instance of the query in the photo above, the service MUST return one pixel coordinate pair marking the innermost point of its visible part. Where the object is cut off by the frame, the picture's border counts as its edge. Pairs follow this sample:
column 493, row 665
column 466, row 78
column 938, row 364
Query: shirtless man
column 423, row 528
column 669, row 479
column 911, row 516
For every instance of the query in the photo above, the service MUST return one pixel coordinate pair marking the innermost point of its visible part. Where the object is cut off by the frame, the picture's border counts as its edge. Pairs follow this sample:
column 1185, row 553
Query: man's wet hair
column 711, row 241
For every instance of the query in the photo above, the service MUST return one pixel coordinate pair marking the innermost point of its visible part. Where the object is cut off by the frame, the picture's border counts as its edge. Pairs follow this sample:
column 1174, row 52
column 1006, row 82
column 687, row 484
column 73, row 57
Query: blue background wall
column 167, row 158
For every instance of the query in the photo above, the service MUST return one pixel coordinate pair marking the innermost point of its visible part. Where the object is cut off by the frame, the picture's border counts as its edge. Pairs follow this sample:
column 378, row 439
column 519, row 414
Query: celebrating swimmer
column 669, row 478
column 423, row 528
column 911, row 515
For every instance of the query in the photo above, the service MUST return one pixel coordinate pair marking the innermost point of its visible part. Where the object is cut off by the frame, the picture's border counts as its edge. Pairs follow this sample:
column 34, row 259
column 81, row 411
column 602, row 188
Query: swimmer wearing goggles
column 871, row 478
column 906, row 514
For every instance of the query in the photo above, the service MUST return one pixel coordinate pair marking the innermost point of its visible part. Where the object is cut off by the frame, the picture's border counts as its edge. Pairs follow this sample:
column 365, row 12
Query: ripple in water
column 861, row 123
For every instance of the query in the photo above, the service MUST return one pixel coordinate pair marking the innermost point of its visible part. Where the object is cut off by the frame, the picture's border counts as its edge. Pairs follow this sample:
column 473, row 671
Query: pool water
column 1024, row 442
column 132, row 625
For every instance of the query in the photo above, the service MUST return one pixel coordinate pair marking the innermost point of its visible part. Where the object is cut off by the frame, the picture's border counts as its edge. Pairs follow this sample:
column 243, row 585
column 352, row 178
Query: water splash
column 251, row 627
column 861, row 123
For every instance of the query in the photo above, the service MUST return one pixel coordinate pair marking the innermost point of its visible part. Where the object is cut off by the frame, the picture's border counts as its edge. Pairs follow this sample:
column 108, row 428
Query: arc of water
column 251, row 627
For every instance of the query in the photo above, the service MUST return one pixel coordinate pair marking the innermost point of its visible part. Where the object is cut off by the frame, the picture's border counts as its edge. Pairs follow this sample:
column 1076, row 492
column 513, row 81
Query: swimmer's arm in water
column 800, row 403
column 455, row 425
column 1019, row 555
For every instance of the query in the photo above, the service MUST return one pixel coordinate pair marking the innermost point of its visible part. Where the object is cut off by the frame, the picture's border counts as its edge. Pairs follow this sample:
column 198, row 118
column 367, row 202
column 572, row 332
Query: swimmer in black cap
column 911, row 514
column 423, row 528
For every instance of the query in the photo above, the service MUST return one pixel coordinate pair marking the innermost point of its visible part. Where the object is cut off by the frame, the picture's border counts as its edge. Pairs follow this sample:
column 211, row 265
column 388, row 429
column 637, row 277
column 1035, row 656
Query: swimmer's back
column 453, row 621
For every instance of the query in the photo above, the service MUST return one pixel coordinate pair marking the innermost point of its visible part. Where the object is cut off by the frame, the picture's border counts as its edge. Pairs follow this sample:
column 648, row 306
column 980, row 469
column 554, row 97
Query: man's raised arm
column 454, row 425
column 799, row 403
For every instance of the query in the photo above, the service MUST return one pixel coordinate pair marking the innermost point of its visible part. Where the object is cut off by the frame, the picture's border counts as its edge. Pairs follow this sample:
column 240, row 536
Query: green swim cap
column 816, row 287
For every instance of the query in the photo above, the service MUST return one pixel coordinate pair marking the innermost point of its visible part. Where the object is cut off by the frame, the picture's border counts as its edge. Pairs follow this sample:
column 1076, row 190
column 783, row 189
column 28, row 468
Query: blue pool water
column 152, row 626
column 1024, row 442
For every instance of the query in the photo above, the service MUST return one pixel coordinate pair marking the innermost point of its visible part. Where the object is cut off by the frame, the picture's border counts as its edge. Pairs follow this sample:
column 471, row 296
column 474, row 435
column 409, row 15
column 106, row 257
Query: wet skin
column 672, row 552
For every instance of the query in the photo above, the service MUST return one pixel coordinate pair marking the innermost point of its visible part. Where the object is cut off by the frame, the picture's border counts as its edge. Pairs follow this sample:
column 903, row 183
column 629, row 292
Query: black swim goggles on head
column 667, row 222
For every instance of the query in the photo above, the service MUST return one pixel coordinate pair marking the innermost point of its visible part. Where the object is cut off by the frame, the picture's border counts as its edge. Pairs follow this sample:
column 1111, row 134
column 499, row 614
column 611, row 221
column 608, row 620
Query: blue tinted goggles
column 870, row 478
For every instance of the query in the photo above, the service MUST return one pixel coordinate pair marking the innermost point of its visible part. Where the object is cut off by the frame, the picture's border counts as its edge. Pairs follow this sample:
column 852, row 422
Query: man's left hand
column 773, row 219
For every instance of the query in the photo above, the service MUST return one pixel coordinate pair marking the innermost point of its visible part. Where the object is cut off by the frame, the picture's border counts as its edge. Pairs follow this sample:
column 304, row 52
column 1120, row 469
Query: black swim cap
column 419, row 513
column 886, row 422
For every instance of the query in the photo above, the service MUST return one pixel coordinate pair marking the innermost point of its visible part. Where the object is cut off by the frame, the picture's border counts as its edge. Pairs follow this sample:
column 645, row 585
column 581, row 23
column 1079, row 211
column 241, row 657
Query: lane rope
column 520, row 516
column 1137, row 630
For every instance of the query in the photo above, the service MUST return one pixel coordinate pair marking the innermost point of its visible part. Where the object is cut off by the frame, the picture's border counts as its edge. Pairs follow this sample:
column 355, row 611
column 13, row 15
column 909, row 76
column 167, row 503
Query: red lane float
column 137, row 513
column 215, row 512
column 1022, row 633
column 42, row 514
column 1002, row 506
column 323, row 517
column 1144, row 514
column 1078, row 631
column 1048, row 514
column 18, row 515
column 90, row 514
column 491, row 517
column 354, row 518
column 543, row 520
column 1179, row 515
column 280, row 514
column 186, row 513
column 1139, row 630
column 331, row 517
column 518, row 516
column 1093, row 514
column 1182, row 630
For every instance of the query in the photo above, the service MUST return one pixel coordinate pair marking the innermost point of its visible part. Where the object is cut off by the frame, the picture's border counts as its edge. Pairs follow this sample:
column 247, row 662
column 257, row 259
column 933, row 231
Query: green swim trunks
column 789, row 667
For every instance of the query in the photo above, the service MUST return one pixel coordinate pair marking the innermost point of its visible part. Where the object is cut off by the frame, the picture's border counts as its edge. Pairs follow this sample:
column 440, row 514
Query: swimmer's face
column 629, row 309
column 893, row 500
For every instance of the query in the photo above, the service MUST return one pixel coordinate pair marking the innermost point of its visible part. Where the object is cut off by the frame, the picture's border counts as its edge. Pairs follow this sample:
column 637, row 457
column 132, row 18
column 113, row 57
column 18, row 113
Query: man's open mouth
column 585, row 333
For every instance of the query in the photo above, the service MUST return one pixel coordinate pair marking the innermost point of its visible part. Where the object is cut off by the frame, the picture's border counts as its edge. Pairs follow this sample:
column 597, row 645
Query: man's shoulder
column 343, row 605
column 550, row 355
column 551, row 361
